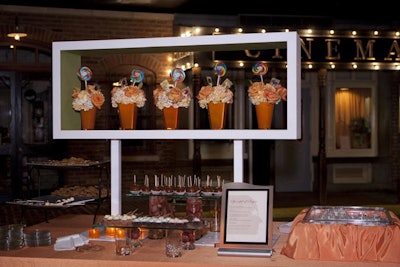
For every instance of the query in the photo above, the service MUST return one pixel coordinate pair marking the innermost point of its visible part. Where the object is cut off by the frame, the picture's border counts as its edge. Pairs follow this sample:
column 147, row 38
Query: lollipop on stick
column 84, row 74
column 220, row 70
column 260, row 68
column 137, row 76
column 177, row 75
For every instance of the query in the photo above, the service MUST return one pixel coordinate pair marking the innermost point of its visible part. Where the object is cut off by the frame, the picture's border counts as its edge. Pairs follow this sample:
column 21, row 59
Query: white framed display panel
column 66, row 60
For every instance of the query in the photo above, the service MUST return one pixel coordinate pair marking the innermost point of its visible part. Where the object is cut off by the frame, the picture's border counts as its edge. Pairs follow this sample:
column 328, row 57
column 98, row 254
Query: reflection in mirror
column 353, row 118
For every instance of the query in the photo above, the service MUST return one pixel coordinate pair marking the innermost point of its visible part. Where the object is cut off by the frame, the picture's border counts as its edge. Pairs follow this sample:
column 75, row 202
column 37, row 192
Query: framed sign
column 246, row 220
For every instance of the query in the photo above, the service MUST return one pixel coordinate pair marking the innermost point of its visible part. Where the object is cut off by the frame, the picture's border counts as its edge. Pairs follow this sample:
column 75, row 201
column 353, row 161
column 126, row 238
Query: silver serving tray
column 357, row 215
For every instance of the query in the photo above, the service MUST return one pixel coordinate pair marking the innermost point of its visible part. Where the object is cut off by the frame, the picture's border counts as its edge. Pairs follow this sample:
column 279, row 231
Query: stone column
column 322, row 170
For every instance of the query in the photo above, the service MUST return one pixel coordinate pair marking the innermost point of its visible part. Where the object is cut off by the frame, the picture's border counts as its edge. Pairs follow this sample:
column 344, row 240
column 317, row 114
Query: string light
column 388, row 63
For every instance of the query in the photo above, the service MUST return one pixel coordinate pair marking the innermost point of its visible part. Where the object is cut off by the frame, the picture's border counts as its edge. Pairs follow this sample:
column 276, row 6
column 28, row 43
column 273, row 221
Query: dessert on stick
column 193, row 188
column 218, row 188
column 135, row 188
column 156, row 189
column 207, row 190
column 146, row 185
column 180, row 186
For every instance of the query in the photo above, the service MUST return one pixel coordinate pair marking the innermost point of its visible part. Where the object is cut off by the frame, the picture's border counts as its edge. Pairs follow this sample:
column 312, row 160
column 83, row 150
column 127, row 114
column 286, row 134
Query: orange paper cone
column 264, row 112
column 88, row 119
column 216, row 115
column 127, row 116
column 171, row 118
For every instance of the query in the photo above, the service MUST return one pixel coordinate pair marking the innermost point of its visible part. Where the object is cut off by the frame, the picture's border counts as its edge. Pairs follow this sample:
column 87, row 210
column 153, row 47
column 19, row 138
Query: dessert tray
column 67, row 162
column 151, row 222
column 357, row 215
column 53, row 201
column 212, row 195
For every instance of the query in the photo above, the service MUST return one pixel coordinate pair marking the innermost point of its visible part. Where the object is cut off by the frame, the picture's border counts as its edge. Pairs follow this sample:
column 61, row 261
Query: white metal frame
column 67, row 60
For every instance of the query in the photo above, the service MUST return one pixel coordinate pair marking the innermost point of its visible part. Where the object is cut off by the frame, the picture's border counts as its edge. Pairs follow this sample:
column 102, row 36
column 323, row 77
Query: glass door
column 352, row 117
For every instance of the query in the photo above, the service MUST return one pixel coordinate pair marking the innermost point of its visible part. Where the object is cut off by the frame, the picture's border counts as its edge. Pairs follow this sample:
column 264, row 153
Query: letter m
column 361, row 53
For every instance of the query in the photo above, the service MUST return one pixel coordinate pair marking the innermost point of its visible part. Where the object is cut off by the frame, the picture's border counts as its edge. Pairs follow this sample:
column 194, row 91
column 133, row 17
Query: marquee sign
column 344, row 49
column 328, row 50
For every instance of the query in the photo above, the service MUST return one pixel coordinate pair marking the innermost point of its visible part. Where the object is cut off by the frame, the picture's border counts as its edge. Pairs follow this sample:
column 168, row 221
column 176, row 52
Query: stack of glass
column 36, row 238
column 11, row 236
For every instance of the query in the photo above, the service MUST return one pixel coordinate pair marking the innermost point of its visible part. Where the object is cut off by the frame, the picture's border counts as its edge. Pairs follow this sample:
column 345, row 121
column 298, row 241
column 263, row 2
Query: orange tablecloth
column 339, row 242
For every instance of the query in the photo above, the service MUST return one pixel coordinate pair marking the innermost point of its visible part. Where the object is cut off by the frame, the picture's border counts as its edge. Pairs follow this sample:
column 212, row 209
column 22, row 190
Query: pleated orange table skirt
column 340, row 242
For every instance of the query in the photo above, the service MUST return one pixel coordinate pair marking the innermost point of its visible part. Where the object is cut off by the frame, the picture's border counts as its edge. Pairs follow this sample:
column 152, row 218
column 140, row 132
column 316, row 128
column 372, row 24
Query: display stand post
column 238, row 161
column 116, row 177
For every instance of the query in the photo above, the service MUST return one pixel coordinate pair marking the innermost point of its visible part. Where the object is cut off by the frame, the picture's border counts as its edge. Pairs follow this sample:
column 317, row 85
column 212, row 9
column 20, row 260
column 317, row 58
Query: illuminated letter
column 249, row 54
column 394, row 51
column 277, row 54
column 369, row 50
column 332, row 49
column 303, row 46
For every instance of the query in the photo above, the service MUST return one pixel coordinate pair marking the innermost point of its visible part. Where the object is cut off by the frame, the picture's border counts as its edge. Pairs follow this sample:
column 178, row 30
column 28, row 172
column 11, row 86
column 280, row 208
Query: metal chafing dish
column 357, row 215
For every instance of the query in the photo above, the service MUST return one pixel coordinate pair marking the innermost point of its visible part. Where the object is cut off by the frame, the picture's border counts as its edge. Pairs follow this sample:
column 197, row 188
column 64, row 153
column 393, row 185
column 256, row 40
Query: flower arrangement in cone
column 123, row 93
column 169, row 95
column 88, row 98
column 272, row 92
column 216, row 94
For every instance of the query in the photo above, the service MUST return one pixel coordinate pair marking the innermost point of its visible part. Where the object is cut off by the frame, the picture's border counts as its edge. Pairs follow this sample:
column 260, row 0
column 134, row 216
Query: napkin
column 70, row 242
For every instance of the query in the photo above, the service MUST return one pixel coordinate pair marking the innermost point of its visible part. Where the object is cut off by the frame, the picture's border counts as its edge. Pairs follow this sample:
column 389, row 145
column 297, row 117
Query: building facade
column 348, row 143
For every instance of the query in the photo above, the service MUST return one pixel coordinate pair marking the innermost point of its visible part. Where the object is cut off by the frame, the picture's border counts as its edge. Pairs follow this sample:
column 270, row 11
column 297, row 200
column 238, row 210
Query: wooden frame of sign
column 246, row 220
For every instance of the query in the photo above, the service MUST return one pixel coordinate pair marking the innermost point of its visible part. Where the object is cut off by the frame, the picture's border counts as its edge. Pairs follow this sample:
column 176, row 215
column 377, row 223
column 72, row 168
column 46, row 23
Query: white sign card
column 246, row 216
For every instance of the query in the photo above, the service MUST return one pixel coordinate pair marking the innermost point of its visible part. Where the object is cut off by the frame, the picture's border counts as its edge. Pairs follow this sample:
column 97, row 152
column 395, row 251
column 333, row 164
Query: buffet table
column 150, row 254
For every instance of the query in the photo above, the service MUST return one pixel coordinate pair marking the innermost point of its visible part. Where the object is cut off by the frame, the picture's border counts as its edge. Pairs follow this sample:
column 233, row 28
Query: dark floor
column 13, row 214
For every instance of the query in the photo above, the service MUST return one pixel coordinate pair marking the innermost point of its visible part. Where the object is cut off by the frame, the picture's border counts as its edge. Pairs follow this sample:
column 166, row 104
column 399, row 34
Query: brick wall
column 46, row 25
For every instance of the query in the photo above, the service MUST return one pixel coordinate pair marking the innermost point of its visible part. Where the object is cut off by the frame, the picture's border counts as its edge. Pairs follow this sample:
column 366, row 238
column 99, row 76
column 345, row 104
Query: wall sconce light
column 17, row 34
